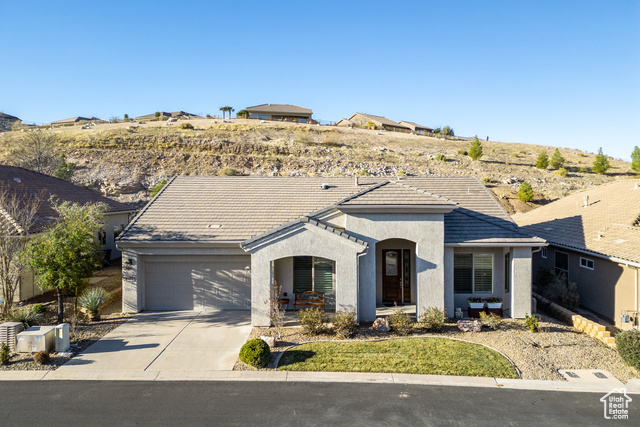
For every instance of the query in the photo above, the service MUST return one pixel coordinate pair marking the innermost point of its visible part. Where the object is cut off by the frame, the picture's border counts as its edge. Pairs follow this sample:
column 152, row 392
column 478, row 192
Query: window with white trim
column 473, row 273
column 586, row 263
column 544, row 253
column 313, row 274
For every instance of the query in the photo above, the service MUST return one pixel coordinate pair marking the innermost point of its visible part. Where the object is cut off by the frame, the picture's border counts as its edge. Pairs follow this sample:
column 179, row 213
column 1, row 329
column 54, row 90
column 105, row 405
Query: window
column 253, row 116
column 544, row 253
column 312, row 274
column 507, row 272
column 473, row 273
column 586, row 263
column 562, row 264
column 391, row 260
column 262, row 117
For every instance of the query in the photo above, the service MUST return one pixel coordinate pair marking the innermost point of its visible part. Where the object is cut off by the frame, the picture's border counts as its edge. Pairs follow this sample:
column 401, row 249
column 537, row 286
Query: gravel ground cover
column 537, row 356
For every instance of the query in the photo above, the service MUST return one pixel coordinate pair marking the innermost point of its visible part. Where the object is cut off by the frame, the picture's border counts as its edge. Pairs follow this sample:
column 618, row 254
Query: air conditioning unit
column 36, row 338
column 9, row 332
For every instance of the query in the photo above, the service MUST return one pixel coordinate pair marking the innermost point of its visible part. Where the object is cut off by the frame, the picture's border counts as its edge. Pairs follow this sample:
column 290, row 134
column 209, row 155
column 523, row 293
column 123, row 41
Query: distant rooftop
column 279, row 108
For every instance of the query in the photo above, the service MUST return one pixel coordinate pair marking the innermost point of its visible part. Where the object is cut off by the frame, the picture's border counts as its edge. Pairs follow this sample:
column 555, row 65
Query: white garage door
column 197, row 284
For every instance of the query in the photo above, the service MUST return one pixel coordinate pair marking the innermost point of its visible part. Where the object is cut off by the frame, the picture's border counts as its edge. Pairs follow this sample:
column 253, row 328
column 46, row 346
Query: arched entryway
column 395, row 272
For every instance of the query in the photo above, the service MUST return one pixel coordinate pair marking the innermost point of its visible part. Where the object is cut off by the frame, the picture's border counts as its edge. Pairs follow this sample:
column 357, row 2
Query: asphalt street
column 121, row 403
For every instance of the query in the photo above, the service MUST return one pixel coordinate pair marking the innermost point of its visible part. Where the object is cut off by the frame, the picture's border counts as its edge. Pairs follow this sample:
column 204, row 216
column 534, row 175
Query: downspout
column 636, row 297
column 358, row 282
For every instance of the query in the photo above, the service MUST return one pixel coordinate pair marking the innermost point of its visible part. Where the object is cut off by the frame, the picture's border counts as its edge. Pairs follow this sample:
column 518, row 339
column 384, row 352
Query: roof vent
column 325, row 186
column 356, row 181
column 214, row 226
column 586, row 201
column 18, row 180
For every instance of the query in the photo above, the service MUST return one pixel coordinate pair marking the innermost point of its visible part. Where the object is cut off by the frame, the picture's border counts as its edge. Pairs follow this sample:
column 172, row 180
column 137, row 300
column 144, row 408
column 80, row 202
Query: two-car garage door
column 197, row 283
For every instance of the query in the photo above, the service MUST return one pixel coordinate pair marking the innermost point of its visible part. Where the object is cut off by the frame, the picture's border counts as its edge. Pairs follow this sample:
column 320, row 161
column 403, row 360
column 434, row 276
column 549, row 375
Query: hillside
column 125, row 160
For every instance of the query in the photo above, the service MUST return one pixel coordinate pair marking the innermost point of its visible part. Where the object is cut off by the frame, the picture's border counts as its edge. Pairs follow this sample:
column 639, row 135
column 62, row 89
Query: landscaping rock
column 271, row 341
column 469, row 326
column 381, row 325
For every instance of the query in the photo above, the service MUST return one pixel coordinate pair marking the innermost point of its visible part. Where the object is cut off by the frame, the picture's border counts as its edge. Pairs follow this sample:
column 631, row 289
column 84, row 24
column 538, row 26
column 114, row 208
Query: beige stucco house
column 416, row 128
column 222, row 243
column 280, row 112
column 594, row 240
column 27, row 183
column 362, row 119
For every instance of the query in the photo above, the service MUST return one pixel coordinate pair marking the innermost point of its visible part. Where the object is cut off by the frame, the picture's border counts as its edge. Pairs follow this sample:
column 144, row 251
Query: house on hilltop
column 594, row 241
column 280, row 112
column 165, row 116
column 26, row 183
column 73, row 120
column 361, row 119
column 416, row 128
column 7, row 122
column 223, row 242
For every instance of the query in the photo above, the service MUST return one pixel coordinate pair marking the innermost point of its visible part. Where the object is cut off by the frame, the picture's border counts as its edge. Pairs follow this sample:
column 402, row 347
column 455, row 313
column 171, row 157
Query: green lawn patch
column 436, row 356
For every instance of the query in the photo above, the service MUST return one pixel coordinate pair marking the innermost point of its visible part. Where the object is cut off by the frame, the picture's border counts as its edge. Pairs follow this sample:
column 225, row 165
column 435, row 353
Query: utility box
column 9, row 333
column 36, row 338
column 63, row 342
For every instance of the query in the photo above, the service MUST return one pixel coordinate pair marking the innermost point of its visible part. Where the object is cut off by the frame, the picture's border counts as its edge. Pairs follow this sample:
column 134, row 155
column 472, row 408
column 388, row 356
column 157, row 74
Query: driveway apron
column 168, row 341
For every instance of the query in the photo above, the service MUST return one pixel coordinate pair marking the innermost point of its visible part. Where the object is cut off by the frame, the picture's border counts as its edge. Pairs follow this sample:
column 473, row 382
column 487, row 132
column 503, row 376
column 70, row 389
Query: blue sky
column 560, row 73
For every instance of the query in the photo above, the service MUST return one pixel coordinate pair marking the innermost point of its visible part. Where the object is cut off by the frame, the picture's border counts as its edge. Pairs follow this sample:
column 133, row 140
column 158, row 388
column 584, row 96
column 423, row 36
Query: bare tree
column 17, row 215
column 36, row 151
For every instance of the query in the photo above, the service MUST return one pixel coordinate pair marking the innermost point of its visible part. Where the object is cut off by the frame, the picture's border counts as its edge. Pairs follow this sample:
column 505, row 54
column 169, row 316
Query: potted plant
column 494, row 302
column 476, row 302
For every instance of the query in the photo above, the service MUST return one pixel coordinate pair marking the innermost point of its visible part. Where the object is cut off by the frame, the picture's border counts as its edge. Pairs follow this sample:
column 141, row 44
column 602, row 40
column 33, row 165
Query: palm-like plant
column 91, row 300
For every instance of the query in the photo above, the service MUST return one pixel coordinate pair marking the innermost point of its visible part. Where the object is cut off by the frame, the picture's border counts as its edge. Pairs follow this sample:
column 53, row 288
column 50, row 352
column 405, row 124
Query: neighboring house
column 345, row 123
column 7, row 122
column 416, row 128
column 165, row 115
column 222, row 242
column 75, row 120
column 360, row 119
column 594, row 240
column 33, row 184
column 280, row 112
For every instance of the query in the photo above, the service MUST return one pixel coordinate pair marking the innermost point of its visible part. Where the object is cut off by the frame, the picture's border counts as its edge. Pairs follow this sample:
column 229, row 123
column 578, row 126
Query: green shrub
column 525, row 193
column 490, row 320
column 400, row 322
column 364, row 172
column 92, row 299
column 531, row 322
column 229, row 172
column 39, row 308
column 25, row 316
column 557, row 161
column 486, row 179
column 156, row 188
column 242, row 114
column 561, row 172
column 463, row 152
column 440, row 157
column 256, row 353
column 601, row 164
column 628, row 344
column 401, row 173
column 5, row 354
column 311, row 320
column 543, row 161
column 186, row 126
column 635, row 159
column 475, row 151
column 41, row 357
column 345, row 323
column 433, row 319
column 583, row 169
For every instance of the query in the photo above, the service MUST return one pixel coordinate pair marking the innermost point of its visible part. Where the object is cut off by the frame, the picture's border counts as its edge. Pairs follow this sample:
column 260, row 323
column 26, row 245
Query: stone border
column 518, row 372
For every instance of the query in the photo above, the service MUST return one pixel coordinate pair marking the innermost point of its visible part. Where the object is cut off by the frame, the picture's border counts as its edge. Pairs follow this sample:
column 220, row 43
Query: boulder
column 381, row 325
column 271, row 341
column 469, row 326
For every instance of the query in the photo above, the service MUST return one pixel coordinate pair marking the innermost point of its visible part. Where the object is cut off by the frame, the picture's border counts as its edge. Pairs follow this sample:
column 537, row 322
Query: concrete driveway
column 168, row 341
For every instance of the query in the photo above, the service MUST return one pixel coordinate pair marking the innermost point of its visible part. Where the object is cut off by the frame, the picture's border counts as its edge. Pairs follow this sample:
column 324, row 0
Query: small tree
column 243, row 114
column 157, row 116
column 448, row 131
column 557, row 161
column 475, row 152
column 126, row 118
column 65, row 169
column 635, row 159
column 525, row 193
column 543, row 161
column 66, row 254
column 601, row 164
column 35, row 151
column 20, row 211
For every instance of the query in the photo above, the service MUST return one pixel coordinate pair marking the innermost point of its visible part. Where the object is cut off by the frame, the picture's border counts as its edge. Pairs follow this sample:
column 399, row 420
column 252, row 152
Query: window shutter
column 302, row 275
column 323, row 275
column 462, row 273
column 483, row 273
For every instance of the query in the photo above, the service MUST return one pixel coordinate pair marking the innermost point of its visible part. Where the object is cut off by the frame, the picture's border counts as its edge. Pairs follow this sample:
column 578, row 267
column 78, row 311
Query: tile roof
column 380, row 119
column 607, row 226
column 24, row 182
column 279, row 108
column 414, row 125
column 219, row 208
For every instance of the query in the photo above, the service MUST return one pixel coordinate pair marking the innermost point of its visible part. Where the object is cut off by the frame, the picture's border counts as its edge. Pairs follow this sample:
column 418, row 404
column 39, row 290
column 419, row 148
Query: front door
column 392, row 275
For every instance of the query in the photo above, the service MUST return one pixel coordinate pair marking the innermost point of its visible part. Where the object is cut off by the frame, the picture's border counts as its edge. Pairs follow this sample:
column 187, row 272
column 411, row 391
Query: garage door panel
column 198, row 285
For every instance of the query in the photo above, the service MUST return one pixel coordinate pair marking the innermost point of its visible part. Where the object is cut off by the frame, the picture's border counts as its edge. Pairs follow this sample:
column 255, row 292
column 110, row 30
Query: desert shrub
column 5, row 354
column 229, row 172
column 92, row 299
column 156, row 188
column 242, row 114
column 486, row 179
column 463, row 152
column 543, row 161
column 364, row 172
column 441, row 157
column 490, row 320
column 311, row 320
column 39, row 308
column 400, row 322
column 186, row 126
column 531, row 322
column 401, row 173
column 557, row 161
column 256, row 353
column 581, row 154
column 544, row 277
column 345, row 323
column 433, row 319
column 561, row 172
column 525, row 193
column 628, row 344
column 583, row 169
column 41, row 357
column 475, row 150
column 601, row 164
column 332, row 144
column 556, row 288
column 25, row 316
